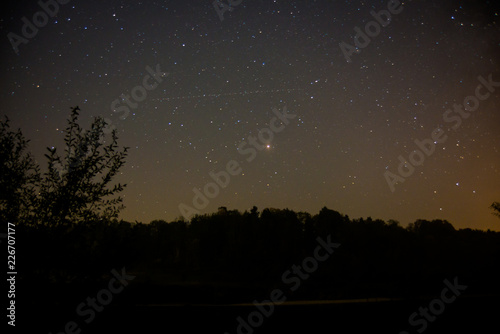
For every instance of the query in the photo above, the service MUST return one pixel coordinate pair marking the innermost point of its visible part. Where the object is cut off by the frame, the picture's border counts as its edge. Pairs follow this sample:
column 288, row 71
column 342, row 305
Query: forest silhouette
column 70, row 238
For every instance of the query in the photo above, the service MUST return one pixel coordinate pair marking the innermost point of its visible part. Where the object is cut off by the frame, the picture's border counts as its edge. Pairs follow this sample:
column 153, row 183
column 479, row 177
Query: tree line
column 69, row 233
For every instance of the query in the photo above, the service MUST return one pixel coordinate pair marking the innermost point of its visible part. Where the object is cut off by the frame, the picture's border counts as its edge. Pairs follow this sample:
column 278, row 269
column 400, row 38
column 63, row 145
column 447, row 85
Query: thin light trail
column 188, row 97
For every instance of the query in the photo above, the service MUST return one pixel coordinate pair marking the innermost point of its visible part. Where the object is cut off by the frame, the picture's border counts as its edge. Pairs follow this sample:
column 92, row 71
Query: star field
column 222, row 79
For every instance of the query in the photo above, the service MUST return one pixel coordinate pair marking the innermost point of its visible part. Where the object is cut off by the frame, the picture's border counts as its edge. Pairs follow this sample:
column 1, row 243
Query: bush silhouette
column 75, row 188
column 19, row 176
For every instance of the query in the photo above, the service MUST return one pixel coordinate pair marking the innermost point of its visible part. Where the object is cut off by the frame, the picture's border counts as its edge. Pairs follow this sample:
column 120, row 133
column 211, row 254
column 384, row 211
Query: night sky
column 222, row 82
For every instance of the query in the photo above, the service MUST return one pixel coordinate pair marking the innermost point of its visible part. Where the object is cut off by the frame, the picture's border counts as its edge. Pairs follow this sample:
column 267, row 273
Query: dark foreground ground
column 468, row 314
column 193, row 278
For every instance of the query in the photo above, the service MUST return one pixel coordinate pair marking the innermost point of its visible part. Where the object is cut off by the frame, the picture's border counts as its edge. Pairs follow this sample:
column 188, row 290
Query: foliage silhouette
column 19, row 176
column 48, row 208
column 81, row 192
column 496, row 208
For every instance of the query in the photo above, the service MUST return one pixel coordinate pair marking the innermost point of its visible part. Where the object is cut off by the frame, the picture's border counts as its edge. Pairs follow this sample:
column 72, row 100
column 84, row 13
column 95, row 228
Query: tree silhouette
column 496, row 208
column 19, row 176
column 76, row 186
column 437, row 227
column 81, row 191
